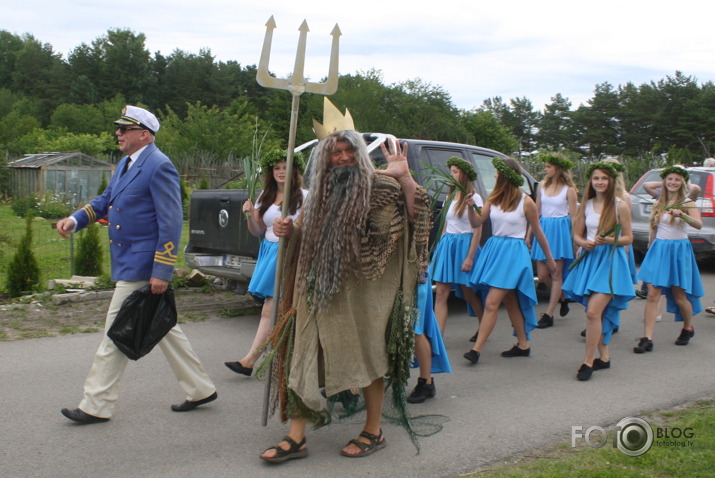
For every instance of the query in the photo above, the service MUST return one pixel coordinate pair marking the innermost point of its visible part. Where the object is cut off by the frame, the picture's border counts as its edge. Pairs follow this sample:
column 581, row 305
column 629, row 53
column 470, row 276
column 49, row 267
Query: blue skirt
column 558, row 234
column 447, row 259
column 632, row 264
column 427, row 324
column 504, row 262
column 592, row 275
column 671, row 262
column 264, row 275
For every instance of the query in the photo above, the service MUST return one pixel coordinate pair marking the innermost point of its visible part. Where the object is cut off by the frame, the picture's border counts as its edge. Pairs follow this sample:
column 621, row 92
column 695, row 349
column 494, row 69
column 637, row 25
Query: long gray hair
column 334, row 219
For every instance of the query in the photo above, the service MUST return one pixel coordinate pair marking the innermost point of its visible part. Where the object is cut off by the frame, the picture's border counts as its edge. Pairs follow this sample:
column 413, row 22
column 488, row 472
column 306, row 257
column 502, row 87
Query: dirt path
column 47, row 318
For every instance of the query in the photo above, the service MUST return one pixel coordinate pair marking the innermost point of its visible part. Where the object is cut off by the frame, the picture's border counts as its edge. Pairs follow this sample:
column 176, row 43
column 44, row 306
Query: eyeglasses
column 124, row 129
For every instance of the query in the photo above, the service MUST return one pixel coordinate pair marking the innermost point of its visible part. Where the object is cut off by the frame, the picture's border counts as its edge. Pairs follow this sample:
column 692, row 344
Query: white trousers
column 101, row 388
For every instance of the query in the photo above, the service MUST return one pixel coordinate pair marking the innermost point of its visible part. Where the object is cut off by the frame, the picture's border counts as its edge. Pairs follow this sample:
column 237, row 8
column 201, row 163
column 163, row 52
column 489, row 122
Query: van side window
column 437, row 158
column 485, row 171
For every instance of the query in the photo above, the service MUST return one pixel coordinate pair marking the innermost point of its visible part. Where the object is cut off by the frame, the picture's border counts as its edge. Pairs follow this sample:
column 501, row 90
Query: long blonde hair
column 664, row 199
column 562, row 176
column 608, row 217
column 466, row 184
column 506, row 194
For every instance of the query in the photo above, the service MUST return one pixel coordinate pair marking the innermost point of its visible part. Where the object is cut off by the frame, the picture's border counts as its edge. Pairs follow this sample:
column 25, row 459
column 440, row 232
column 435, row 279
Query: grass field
column 693, row 457
column 52, row 252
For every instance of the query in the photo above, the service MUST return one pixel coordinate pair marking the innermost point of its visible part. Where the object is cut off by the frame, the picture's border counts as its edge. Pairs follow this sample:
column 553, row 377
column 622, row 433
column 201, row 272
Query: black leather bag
column 143, row 320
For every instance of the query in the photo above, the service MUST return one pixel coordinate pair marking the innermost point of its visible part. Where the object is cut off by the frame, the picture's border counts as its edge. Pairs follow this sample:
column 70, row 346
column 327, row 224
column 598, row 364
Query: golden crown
column 333, row 120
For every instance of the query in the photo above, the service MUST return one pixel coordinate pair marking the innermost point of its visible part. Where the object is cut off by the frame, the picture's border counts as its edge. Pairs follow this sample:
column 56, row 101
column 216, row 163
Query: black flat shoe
column 584, row 373
column 644, row 345
column 238, row 368
column 564, row 308
column 599, row 364
column 684, row 337
column 472, row 356
column 77, row 415
column 545, row 321
column 188, row 405
column 515, row 351
column 473, row 338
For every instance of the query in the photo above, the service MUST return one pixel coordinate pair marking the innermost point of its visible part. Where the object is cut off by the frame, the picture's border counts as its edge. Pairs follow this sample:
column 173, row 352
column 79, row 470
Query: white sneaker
column 658, row 318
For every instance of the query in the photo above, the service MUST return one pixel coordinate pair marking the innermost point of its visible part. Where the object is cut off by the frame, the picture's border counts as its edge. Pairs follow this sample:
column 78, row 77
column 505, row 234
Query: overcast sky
column 473, row 49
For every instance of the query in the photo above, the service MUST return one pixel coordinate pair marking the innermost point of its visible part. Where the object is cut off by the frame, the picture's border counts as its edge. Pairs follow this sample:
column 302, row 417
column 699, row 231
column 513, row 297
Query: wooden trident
column 297, row 85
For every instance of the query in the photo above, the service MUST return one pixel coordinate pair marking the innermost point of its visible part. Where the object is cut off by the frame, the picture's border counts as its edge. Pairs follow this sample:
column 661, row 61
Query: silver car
column 703, row 240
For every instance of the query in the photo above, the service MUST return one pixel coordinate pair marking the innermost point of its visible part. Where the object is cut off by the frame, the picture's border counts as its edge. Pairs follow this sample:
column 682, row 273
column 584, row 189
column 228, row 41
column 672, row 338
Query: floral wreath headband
column 610, row 168
column 557, row 160
column 505, row 170
column 677, row 170
column 463, row 166
column 275, row 156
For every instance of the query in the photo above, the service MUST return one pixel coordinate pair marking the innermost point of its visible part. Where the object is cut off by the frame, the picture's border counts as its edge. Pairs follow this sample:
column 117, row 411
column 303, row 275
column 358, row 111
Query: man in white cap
column 143, row 202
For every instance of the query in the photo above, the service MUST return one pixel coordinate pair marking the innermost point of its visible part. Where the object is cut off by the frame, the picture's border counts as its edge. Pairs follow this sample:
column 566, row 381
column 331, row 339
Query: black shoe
column 238, row 368
column 545, row 321
column 614, row 331
column 472, row 356
column 584, row 373
column 685, row 336
column 599, row 364
column 79, row 416
column 187, row 405
column 564, row 309
column 422, row 391
column 473, row 338
column 583, row 333
column 644, row 345
column 642, row 293
column 515, row 351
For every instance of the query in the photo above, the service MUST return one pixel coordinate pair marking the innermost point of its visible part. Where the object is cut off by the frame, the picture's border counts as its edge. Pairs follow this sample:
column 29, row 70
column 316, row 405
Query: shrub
column 53, row 206
column 23, row 273
column 88, row 260
column 21, row 206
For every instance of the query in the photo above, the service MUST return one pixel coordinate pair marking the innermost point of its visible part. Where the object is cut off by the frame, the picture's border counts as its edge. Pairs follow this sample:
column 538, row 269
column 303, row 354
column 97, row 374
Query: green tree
column 23, row 273
column 88, row 261
column 484, row 130
column 555, row 125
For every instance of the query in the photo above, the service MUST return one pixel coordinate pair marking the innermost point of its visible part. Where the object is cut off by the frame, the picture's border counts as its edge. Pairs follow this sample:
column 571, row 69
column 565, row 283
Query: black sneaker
column 644, row 345
column 472, row 356
column 599, row 364
column 685, row 336
column 515, row 351
column 564, row 308
column 642, row 293
column 473, row 338
column 422, row 391
column 584, row 373
column 545, row 321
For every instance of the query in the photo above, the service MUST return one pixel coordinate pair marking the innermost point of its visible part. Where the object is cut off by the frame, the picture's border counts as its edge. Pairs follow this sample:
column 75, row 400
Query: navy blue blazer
column 145, row 217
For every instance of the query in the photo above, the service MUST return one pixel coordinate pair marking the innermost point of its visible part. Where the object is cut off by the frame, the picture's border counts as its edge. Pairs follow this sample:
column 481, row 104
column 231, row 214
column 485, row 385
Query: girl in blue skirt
column 456, row 251
column 260, row 221
column 669, row 266
column 601, row 280
column 503, row 272
column 556, row 205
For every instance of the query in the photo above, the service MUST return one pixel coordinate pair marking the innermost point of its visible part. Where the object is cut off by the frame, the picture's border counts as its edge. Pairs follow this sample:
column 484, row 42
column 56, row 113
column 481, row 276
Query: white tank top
column 592, row 219
column 509, row 224
column 460, row 225
column 671, row 230
column 556, row 206
column 274, row 212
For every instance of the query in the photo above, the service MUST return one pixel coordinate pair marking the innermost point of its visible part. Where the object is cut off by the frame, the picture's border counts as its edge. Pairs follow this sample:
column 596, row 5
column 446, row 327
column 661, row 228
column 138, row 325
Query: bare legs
column 423, row 352
column 495, row 297
column 553, row 282
column 264, row 328
column 652, row 308
column 440, row 303
column 597, row 303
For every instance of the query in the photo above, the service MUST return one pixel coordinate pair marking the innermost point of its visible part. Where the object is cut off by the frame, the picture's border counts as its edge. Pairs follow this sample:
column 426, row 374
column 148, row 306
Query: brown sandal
column 710, row 310
column 295, row 451
column 376, row 443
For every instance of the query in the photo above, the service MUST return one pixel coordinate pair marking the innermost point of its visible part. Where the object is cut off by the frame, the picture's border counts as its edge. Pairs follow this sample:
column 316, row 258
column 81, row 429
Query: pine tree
column 102, row 185
column 88, row 261
column 23, row 273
